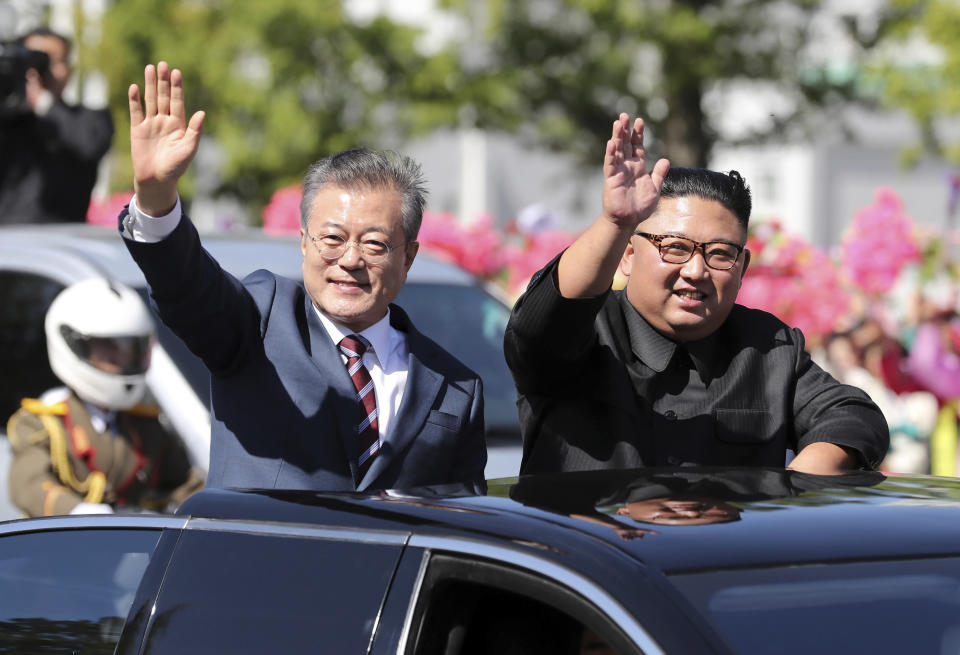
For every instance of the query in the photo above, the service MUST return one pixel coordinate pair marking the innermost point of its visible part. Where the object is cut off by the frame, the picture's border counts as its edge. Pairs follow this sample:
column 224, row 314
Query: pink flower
column 878, row 243
column 794, row 281
column 106, row 212
column 477, row 247
column 282, row 213
column 532, row 255
column 440, row 235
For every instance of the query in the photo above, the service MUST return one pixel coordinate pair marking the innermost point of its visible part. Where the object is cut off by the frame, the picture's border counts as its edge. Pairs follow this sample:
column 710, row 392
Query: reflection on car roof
column 784, row 517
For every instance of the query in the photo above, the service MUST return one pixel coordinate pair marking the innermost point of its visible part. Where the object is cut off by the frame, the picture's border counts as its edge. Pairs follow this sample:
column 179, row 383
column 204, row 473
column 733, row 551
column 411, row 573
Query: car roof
column 83, row 250
column 785, row 518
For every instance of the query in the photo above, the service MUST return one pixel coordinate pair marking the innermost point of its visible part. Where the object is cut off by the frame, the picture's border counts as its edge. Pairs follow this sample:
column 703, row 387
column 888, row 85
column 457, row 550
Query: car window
column 469, row 323
column 24, row 298
column 842, row 608
column 472, row 607
column 69, row 591
column 229, row 592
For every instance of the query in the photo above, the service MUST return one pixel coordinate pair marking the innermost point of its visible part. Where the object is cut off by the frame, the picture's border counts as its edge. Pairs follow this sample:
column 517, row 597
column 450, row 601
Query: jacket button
column 670, row 415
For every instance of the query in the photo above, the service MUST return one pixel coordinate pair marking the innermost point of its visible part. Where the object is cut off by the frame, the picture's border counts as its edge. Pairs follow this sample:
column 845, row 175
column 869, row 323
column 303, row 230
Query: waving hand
column 162, row 143
column 630, row 193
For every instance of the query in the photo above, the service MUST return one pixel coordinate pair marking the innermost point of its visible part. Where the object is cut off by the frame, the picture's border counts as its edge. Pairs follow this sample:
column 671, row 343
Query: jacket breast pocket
column 444, row 420
column 746, row 426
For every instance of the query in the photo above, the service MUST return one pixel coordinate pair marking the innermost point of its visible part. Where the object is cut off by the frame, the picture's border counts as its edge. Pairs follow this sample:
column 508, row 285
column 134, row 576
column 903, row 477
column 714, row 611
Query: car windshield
column 901, row 606
column 466, row 320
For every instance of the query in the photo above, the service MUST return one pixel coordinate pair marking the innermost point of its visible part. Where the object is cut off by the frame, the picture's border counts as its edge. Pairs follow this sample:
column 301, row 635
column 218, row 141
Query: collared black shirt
column 601, row 388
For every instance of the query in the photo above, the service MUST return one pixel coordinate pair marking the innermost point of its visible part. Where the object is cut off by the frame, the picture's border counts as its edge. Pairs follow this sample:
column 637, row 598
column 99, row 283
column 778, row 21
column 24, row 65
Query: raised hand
column 162, row 143
column 630, row 193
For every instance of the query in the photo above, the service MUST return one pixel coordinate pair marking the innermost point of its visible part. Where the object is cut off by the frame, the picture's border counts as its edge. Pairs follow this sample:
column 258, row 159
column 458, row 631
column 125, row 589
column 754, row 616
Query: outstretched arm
column 630, row 195
column 162, row 143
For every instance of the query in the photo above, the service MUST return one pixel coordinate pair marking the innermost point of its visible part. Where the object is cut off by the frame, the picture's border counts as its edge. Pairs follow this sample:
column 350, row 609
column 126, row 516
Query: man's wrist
column 156, row 203
column 624, row 225
column 141, row 226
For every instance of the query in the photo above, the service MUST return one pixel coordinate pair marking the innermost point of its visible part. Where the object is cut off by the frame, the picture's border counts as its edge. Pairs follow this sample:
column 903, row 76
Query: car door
column 251, row 587
column 67, row 584
column 461, row 598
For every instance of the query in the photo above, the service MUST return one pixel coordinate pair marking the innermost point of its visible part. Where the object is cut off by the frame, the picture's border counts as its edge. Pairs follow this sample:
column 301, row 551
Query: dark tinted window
column 24, row 299
column 245, row 593
column 869, row 607
column 69, row 591
column 469, row 607
column 469, row 323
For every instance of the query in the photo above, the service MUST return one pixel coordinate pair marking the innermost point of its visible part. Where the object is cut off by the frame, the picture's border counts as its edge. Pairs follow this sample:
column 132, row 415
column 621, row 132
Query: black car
column 641, row 561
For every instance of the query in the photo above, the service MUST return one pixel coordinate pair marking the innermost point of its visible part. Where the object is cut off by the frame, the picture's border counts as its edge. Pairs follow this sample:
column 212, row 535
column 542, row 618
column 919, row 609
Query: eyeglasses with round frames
column 718, row 255
column 333, row 246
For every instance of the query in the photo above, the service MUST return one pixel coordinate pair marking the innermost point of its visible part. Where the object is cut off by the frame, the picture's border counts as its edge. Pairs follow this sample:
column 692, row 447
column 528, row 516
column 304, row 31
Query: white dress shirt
column 385, row 359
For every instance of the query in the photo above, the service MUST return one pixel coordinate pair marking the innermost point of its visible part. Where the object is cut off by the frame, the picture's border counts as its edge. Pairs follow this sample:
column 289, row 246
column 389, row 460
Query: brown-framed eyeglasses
column 718, row 255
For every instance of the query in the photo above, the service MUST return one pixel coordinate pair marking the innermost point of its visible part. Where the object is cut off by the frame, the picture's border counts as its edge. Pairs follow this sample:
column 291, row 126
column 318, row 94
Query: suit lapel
column 327, row 358
column 422, row 387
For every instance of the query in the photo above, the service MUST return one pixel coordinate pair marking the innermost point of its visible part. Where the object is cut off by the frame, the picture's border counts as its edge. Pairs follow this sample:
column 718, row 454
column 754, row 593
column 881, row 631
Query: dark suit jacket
column 49, row 163
column 283, row 408
column 600, row 388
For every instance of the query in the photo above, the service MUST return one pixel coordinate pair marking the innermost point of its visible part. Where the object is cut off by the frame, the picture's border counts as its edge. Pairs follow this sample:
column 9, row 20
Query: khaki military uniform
column 60, row 460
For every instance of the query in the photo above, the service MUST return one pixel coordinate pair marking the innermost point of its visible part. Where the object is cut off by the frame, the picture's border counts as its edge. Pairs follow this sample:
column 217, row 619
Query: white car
column 37, row 261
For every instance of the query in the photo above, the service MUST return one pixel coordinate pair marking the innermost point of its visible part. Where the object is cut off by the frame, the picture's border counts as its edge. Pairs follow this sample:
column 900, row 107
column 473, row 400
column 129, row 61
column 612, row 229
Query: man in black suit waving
column 671, row 371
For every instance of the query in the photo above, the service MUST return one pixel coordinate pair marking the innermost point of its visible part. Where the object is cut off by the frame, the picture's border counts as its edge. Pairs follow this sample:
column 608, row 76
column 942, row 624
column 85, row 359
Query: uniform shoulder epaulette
column 37, row 406
column 144, row 411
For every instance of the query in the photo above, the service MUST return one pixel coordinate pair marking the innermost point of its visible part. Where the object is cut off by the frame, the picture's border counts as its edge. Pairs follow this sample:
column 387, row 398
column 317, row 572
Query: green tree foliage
column 917, row 66
column 570, row 66
column 283, row 82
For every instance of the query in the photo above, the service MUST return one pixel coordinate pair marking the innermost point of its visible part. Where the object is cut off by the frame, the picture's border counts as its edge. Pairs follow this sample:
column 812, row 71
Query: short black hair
column 729, row 189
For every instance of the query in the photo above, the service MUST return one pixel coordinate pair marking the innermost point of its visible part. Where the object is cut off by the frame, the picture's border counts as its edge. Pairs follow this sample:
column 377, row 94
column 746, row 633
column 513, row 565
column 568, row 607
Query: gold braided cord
column 38, row 407
column 96, row 483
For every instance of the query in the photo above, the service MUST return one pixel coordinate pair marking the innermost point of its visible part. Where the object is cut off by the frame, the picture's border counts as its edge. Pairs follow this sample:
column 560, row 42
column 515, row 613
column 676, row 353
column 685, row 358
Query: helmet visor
column 114, row 355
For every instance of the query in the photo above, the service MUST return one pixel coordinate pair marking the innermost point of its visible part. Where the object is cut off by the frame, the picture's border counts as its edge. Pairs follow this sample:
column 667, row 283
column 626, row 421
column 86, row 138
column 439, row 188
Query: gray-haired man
column 320, row 385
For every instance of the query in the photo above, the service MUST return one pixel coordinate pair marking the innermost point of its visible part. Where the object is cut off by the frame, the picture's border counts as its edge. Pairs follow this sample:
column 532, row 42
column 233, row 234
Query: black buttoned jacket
column 600, row 388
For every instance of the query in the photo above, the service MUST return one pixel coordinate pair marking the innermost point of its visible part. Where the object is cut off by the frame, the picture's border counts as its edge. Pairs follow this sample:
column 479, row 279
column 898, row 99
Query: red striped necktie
column 368, row 433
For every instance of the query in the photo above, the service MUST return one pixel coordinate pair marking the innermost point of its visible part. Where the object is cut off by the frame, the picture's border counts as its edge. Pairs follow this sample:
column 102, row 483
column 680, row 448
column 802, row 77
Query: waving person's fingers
column 133, row 99
column 150, row 90
column 176, row 95
column 195, row 128
column 636, row 138
column 660, row 170
column 626, row 146
column 610, row 157
column 163, row 88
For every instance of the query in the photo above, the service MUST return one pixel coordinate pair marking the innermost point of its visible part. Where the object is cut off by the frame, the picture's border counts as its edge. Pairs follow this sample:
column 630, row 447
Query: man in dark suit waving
column 324, row 385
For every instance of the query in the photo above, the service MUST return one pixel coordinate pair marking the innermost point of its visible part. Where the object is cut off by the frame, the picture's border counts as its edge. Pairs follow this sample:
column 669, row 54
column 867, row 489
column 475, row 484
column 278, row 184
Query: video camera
column 15, row 61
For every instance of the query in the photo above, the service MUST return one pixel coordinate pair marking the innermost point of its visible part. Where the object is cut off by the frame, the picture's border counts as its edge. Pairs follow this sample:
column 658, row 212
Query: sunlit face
column 352, row 291
column 56, row 79
column 680, row 511
column 684, row 302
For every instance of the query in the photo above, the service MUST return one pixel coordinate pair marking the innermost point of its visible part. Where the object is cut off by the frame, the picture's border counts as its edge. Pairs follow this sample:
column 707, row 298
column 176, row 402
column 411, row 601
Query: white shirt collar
column 379, row 335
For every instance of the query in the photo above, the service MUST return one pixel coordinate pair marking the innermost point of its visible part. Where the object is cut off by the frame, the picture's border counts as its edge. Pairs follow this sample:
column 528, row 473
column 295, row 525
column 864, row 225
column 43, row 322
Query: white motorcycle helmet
column 99, row 337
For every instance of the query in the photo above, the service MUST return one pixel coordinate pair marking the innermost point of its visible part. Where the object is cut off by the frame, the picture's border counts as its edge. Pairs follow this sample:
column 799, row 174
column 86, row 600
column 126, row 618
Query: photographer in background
column 51, row 150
